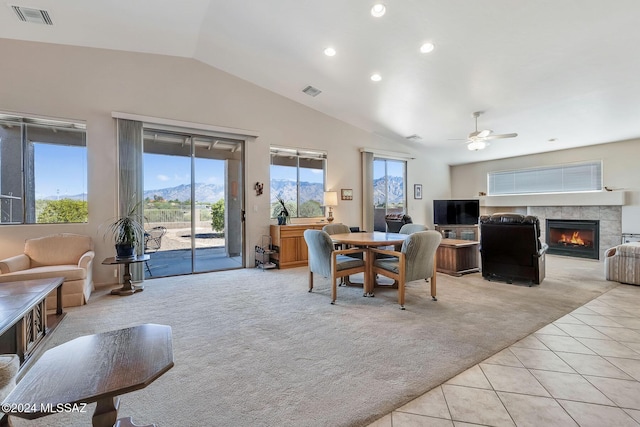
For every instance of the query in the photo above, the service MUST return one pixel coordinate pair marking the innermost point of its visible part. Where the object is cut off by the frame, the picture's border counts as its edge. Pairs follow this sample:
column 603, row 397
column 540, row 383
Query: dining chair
column 415, row 260
column 326, row 260
column 412, row 228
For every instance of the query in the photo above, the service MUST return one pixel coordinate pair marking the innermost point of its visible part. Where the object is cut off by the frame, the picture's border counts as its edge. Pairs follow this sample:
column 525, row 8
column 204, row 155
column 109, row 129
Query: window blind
column 574, row 177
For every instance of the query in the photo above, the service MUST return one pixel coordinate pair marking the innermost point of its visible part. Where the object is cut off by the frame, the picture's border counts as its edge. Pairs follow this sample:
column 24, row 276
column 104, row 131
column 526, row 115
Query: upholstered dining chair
column 415, row 260
column 336, row 229
column 412, row 228
column 339, row 229
column 326, row 260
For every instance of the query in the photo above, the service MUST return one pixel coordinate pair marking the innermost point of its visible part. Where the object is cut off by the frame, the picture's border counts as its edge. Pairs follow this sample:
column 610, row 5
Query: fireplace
column 573, row 237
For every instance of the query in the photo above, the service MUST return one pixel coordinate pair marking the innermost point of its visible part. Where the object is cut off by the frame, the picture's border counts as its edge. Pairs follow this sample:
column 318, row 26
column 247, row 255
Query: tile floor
column 581, row 370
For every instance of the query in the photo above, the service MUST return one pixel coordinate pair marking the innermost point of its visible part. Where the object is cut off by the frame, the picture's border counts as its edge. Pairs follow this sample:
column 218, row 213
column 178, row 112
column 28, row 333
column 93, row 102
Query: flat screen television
column 456, row 212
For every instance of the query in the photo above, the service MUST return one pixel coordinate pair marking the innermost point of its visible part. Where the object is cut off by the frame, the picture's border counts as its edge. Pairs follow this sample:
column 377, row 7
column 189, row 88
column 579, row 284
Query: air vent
column 35, row 16
column 414, row 138
column 312, row 91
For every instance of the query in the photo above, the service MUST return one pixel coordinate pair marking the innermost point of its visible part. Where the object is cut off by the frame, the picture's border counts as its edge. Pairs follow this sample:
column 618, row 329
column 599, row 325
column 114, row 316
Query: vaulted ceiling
column 561, row 70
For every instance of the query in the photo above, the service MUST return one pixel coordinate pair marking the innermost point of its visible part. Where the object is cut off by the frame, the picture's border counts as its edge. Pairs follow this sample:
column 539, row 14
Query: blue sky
column 59, row 170
column 163, row 171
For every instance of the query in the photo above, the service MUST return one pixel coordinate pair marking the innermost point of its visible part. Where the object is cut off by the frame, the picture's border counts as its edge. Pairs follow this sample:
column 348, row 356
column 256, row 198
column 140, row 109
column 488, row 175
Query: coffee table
column 24, row 323
column 93, row 368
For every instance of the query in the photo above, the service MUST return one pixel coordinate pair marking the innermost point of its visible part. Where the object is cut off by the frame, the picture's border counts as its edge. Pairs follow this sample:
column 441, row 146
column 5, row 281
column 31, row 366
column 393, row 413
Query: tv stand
column 461, row 232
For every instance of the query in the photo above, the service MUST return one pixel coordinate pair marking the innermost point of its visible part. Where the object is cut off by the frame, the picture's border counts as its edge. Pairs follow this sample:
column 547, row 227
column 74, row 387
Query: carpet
column 254, row 348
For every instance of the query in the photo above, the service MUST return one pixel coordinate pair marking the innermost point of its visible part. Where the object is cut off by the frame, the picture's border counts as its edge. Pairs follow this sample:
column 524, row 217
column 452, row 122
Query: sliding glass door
column 389, row 190
column 193, row 203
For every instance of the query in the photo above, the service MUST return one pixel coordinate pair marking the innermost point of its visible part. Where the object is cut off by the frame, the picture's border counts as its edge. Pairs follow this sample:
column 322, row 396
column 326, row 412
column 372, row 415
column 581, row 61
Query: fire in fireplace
column 578, row 238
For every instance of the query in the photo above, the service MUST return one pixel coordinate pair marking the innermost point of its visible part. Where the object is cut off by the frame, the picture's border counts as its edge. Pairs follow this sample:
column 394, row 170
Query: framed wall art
column 417, row 191
column 346, row 194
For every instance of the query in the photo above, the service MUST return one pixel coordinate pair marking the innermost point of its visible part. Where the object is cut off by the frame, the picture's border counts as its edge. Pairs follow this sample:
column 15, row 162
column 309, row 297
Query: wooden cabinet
column 289, row 245
column 457, row 257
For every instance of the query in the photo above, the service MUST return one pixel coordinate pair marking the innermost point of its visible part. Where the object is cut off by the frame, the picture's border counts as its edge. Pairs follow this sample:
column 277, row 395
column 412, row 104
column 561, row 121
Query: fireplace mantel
column 595, row 198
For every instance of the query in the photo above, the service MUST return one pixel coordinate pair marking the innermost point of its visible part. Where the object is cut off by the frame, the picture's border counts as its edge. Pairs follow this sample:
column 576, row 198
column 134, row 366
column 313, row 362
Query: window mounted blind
column 574, row 177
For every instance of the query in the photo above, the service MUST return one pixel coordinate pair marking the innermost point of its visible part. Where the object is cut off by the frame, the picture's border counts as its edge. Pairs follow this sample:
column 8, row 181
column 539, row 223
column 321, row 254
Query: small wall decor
column 258, row 187
column 346, row 194
column 417, row 191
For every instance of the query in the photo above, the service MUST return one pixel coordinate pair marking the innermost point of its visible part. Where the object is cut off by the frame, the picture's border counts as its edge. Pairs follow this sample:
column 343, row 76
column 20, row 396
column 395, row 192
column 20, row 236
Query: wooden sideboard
column 290, row 249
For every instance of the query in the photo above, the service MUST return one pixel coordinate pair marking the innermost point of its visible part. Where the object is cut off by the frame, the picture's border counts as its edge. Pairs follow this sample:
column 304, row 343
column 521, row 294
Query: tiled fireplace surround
column 610, row 218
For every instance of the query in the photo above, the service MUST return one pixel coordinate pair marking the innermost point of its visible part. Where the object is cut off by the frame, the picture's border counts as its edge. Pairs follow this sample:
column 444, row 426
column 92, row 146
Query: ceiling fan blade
column 484, row 133
column 500, row 136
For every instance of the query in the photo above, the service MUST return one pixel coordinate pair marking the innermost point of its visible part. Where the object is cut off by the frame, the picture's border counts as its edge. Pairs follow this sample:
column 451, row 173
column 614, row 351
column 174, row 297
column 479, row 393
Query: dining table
column 369, row 240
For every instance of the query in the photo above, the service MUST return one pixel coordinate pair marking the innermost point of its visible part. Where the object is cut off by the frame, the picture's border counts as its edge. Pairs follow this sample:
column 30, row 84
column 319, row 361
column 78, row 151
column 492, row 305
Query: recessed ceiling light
column 552, row 140
column 378, row 10
column 376, row 77
column 427, row 47
column 330, row 51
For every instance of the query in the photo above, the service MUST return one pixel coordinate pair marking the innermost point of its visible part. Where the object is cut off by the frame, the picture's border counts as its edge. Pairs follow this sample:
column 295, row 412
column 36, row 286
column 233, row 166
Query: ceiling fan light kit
column 476, row 145
column 477, row 140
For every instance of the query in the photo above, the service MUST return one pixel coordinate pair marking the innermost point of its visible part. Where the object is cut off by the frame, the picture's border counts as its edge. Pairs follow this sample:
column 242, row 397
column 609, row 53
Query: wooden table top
column 17, row 298
column 94, row 367
column 377, row 238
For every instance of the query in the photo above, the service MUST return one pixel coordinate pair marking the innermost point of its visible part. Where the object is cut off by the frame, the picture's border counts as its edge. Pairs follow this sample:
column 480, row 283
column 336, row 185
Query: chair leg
column 401, row 294
column 334, row 290
column 433, row 287
column 146, row 264
column 310, row 280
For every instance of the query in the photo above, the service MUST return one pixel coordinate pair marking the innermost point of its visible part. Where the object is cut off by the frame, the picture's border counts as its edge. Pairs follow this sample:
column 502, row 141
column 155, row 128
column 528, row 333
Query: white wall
column 620, row 173
column 88, row 84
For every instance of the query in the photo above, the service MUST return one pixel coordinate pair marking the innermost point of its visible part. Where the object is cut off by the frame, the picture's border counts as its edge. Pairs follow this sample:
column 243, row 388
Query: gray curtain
column 130, row 189
column 367, row 191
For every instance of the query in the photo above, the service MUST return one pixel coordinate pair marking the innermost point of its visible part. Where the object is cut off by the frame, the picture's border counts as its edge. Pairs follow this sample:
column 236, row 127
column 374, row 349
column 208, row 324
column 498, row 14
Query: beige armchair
column 60, row 255
column 622, row 263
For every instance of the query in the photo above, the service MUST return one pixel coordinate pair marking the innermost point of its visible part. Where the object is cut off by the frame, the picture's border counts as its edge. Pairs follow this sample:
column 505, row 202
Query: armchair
column 622, row 263
column 327, row 261
column 60, row 255
column 415, row 260
column 510, row 248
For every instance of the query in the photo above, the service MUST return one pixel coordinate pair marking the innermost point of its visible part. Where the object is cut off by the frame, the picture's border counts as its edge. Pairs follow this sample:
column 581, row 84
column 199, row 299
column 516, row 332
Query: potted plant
column 127, row 231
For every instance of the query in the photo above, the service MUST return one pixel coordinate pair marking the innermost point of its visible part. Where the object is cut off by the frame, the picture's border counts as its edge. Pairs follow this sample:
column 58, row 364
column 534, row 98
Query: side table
column 127, row 287
column 457, row 257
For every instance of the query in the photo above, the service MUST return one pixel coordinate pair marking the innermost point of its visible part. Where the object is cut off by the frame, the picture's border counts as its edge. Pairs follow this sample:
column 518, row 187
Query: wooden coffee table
column 93, row 368
column 24, row 323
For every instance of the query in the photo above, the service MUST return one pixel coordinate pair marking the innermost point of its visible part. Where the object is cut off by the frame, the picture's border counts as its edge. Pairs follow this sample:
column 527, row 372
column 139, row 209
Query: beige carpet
column 254, row 348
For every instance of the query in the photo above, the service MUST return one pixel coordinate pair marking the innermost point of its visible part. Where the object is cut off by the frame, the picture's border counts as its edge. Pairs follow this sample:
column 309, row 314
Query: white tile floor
column 581, row 370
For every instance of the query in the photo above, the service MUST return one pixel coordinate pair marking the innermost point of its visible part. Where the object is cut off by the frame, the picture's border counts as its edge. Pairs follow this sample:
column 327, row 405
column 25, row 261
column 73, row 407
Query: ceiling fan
column 477, row 140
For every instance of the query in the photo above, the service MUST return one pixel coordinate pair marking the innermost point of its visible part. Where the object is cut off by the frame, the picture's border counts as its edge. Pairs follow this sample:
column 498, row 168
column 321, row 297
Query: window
column 573, row 177
column 43, row 171
column 297, row 177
